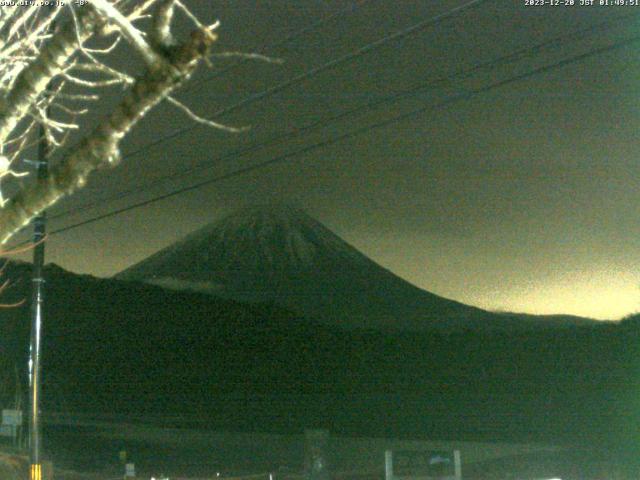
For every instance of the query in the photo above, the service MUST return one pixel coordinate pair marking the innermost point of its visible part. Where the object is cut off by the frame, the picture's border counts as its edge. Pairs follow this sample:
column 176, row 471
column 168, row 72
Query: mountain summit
column 281, row 255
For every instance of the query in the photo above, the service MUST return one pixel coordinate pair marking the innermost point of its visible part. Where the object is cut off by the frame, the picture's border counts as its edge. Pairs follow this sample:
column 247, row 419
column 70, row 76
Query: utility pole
column 37, row 304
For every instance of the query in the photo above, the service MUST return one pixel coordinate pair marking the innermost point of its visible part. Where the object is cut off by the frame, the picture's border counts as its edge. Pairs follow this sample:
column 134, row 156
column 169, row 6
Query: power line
column 289, row 38
column 453, row 99
column 461, row 74
column 449, row 14
column 368, row 48
column 364, row 50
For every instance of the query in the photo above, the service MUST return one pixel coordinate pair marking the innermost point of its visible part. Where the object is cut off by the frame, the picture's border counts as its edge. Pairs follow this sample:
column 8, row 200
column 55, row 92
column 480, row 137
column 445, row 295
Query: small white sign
column 130, row 470
column 12, row 417
column 423, row 465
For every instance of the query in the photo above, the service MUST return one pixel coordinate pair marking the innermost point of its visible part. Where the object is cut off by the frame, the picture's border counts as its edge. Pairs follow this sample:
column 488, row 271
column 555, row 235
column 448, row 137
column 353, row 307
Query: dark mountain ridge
column 280, row 255
column 125, row 348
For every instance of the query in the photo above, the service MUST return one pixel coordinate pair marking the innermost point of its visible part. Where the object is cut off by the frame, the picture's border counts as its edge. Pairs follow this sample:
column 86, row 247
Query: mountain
column 280, row 255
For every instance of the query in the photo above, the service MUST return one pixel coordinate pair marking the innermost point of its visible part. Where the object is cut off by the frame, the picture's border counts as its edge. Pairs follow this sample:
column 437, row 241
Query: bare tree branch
column 57, row 67
column 248, row 56
column 161, row 30
column 101, row 147
column 204, row 121
column 131, row 33
column 33, row 80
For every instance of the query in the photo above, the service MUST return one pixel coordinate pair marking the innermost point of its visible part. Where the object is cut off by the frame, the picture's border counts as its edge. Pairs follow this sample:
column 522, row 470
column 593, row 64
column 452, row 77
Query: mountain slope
column 128, row 348
column 281, row 255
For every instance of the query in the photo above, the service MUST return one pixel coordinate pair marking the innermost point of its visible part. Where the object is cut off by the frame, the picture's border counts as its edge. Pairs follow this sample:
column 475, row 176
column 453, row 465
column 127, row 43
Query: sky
column 520, row 198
